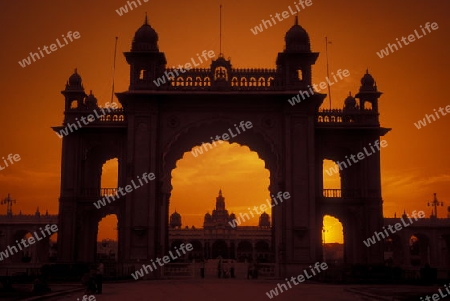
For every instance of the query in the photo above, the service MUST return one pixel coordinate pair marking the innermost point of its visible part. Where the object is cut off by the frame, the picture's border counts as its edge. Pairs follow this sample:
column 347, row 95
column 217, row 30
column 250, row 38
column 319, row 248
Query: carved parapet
column 366, row 117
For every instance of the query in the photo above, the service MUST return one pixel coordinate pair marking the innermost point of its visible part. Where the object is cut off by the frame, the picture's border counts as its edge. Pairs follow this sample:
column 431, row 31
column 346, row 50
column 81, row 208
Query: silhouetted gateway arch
column 157, row 124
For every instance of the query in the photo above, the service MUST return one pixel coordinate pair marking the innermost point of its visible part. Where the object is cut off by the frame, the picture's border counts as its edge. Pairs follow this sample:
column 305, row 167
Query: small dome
column 297, row 39
column 264, row 220
column 75, row 78
column 368, row 83
column 145, row 38
column 75, row 82
column 175, row 220
column 367, row 79
column 207, row 215
column 350, row 101
column 91, row 101
column 232, row 216
column 175, row 214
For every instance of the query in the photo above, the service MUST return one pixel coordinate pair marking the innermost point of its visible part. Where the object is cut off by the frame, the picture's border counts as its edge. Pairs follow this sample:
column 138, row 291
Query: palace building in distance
column 220, row 236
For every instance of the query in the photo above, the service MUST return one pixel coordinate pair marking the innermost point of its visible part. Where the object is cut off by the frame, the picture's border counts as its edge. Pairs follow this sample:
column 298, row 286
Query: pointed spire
column 220, row 192
column 296, row 20
column 75, row 71
column 146, row 19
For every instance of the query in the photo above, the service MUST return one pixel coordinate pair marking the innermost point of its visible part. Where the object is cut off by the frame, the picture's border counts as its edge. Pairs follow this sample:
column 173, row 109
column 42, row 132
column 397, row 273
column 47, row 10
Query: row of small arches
column 329, row 119
column 235, row 82
column 107, row 118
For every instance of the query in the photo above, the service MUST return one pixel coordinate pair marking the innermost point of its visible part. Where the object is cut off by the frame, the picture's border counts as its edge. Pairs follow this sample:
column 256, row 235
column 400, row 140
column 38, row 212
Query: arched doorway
column 333, row 241
column 107, row 239
column 214, row 195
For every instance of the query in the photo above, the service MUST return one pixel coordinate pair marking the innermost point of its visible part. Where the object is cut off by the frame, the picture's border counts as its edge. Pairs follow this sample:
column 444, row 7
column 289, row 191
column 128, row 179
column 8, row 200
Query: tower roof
column 367, row 79
column 145, row 38
column 75, row 82
column 91, row 100
column 350, row 100
column 297, row 39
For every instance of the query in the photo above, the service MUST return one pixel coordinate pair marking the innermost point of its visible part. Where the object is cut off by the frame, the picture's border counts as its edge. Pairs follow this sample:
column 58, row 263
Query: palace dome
column 297, row 39
column 145, row 38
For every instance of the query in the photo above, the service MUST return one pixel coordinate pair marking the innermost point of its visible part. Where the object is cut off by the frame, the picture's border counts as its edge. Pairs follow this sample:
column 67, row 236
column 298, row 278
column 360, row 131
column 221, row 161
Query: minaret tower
column 368, row 92
column 74, row 92
column 146, row 62
column 294, row 63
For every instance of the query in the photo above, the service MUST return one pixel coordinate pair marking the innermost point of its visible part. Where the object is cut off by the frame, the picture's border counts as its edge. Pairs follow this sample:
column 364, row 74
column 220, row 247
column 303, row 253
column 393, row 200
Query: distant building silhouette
column 219, row 238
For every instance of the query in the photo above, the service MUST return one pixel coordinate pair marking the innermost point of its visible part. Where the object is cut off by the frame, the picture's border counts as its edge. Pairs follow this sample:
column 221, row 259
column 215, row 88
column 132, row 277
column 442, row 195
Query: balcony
column 98, row 193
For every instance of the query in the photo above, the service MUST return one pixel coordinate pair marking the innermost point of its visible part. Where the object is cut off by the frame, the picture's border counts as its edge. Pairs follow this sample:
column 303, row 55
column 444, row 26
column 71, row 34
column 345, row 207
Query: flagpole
column 328, row 72
column 220, row 31
column 114, row 70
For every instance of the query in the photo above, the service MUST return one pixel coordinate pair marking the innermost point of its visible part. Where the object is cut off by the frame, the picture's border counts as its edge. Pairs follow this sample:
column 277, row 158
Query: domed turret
column 145, row 39
column 91, row 101
column 208, row 218
column 297, row 39
column 175, row 220
column 207, row 221
column 74, row 93
column 264, row 220
column 350, row 102
column 75, row 82
column 368, row 82
column 294, row 63
column 368, row 94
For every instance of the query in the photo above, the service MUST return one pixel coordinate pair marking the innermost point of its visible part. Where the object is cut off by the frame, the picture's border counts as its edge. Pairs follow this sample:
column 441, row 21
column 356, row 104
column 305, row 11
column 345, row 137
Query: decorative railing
column 96, row 192
column 332, row 193
column 340, row 193
column 356, row 116
column 97, row 116
column 209, row 79
column 18, row 218
column 116, row 115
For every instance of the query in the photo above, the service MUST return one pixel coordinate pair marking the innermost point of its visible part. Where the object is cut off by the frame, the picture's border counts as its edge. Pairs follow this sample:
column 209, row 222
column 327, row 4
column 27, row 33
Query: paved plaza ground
column 246, row 290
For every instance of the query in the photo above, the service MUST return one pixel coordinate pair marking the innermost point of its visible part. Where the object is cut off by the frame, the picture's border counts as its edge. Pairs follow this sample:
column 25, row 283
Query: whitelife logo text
column 166, row 259
column 49, row 49
column 280, row 17
column 244, row 125
column 245, row 217
column 411, row 38
column 322, row 85
column 169, row 75
column 11, row 158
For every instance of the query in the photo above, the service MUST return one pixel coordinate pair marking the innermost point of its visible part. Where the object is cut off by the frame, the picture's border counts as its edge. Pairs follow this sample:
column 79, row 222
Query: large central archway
column 201, row 132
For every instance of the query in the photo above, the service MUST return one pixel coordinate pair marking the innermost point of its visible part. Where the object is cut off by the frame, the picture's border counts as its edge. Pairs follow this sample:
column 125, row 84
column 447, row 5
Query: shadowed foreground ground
column 249, row 290
column 229, row 290
column 215, row 290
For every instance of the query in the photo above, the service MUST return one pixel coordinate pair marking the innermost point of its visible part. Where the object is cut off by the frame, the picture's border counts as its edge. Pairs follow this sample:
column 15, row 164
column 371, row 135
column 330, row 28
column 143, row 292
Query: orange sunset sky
column 415, row 164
